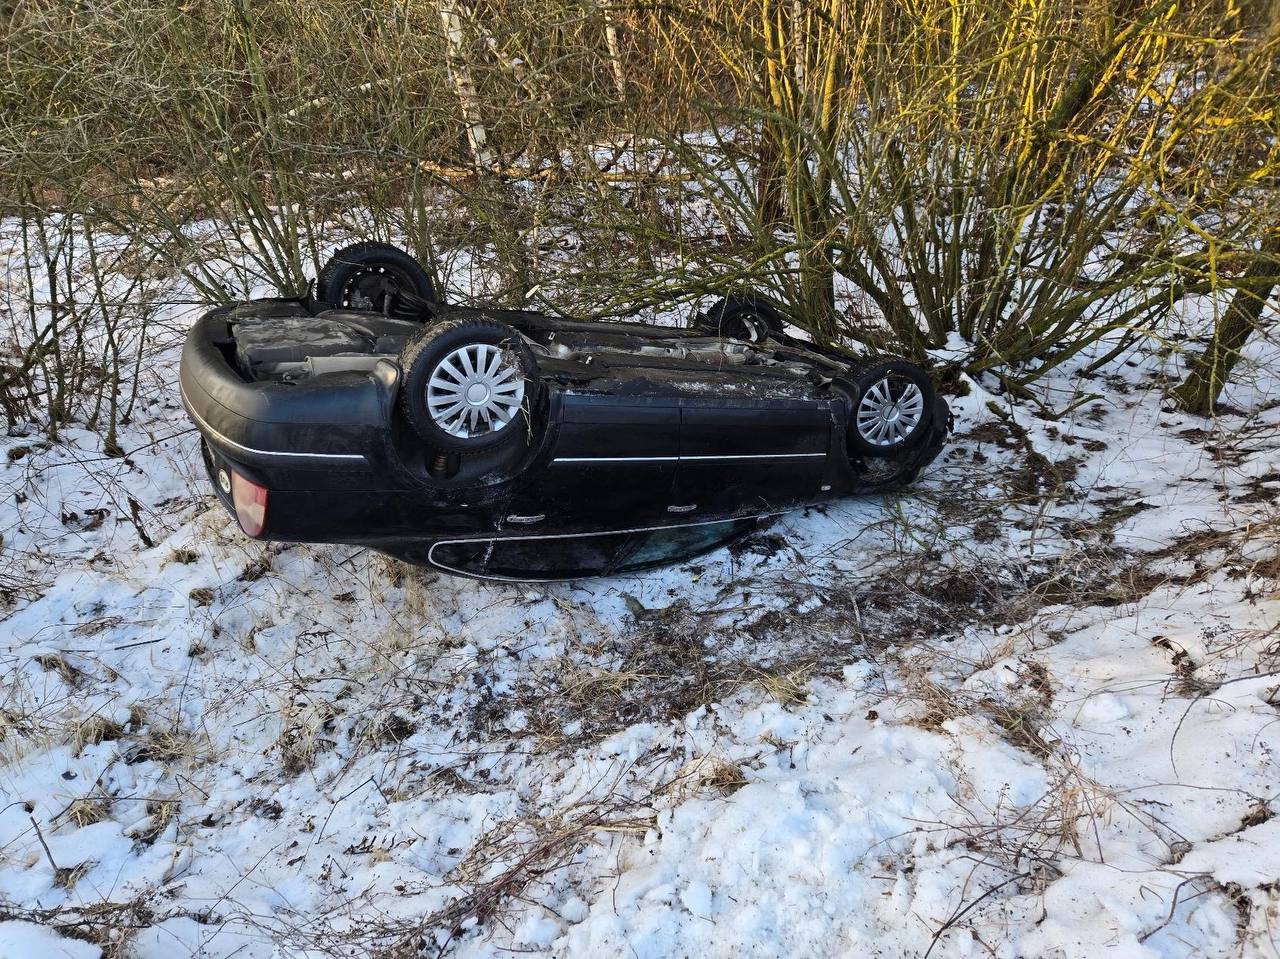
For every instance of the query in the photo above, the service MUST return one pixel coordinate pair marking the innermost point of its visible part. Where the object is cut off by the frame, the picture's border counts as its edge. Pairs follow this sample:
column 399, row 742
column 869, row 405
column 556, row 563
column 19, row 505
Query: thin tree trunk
column 615, row 53
column 1199, row 392
column 771, row 175
column 818, row 277
column 460, row 73
column 789, row 45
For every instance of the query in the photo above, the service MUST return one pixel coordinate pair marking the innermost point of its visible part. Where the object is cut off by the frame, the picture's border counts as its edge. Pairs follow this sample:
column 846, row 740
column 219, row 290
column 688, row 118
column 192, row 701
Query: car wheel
column 468, row 385
column 892, row 408
column 369, row 276
column 749, row 318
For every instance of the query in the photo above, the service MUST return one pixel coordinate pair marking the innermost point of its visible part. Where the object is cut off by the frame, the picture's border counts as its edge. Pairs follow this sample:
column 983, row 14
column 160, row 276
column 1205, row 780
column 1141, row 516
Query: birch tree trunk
column 615, row 53
column 463, row 84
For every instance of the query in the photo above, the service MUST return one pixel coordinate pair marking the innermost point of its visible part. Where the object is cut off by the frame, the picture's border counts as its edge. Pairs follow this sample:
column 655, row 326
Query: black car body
column 632, row 445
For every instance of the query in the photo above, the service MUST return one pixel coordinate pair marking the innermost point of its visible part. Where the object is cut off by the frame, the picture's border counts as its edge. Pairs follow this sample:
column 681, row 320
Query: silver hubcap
column 890, row 411
column 475, row 390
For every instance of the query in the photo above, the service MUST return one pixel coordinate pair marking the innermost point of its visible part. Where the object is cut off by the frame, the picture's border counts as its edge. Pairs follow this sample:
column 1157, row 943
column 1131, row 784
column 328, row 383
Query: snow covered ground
column 1027, row 709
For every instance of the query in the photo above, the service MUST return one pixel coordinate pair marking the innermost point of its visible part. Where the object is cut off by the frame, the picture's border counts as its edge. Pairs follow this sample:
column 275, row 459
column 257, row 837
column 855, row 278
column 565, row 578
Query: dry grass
column 705, row 775
column 89, row 810
column 66, row 877
column 54, row 663
column 13, row 725
column 94, row 730
column 519, row 853
column 171, row 746
column 162, row 812
column 307, row 729
column 788, row 688
column 108, row 924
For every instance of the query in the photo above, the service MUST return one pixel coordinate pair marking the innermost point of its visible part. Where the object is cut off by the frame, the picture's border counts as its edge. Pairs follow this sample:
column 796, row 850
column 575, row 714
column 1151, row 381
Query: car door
column 742, row 455
column 612, row 465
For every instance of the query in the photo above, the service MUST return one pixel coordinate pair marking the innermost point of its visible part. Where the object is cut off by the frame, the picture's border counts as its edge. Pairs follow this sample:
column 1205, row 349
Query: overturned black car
column 517, row 445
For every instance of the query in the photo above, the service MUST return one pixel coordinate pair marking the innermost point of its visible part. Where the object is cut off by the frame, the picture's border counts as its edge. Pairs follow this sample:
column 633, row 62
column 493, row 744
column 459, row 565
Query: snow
column 1017, row 711
column 24, row 940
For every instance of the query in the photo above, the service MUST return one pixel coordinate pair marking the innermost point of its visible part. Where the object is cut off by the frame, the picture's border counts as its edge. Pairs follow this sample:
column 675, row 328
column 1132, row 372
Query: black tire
column 364, row 275
column 424, row 356
column 898, row 377
column 749, row 318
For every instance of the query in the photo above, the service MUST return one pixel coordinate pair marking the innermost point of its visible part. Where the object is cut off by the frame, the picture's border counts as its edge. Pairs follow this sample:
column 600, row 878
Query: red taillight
column 250, row 501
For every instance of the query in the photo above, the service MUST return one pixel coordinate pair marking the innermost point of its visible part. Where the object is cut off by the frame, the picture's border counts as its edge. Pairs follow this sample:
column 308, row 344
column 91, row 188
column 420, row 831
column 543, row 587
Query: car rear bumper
column 325, row 452
column 302, row 436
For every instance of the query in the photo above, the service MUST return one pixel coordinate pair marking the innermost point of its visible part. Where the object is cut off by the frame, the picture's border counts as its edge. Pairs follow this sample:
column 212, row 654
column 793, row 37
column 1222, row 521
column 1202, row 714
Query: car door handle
column 527, row 520
column 689, row 508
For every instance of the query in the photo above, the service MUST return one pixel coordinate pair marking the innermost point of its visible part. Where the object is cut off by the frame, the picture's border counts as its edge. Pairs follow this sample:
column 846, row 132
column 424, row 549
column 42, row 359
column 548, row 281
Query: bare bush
column 1027, row 177
column 1020, row 179
column 80, row 300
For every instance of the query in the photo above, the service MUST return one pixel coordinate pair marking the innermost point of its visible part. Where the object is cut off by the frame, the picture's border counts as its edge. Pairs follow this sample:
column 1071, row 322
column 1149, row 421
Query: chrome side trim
column 568, row 579
column 526, row 520
column 616, row 459
column 679, row 459
column 757, row 456
column 227, row 441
